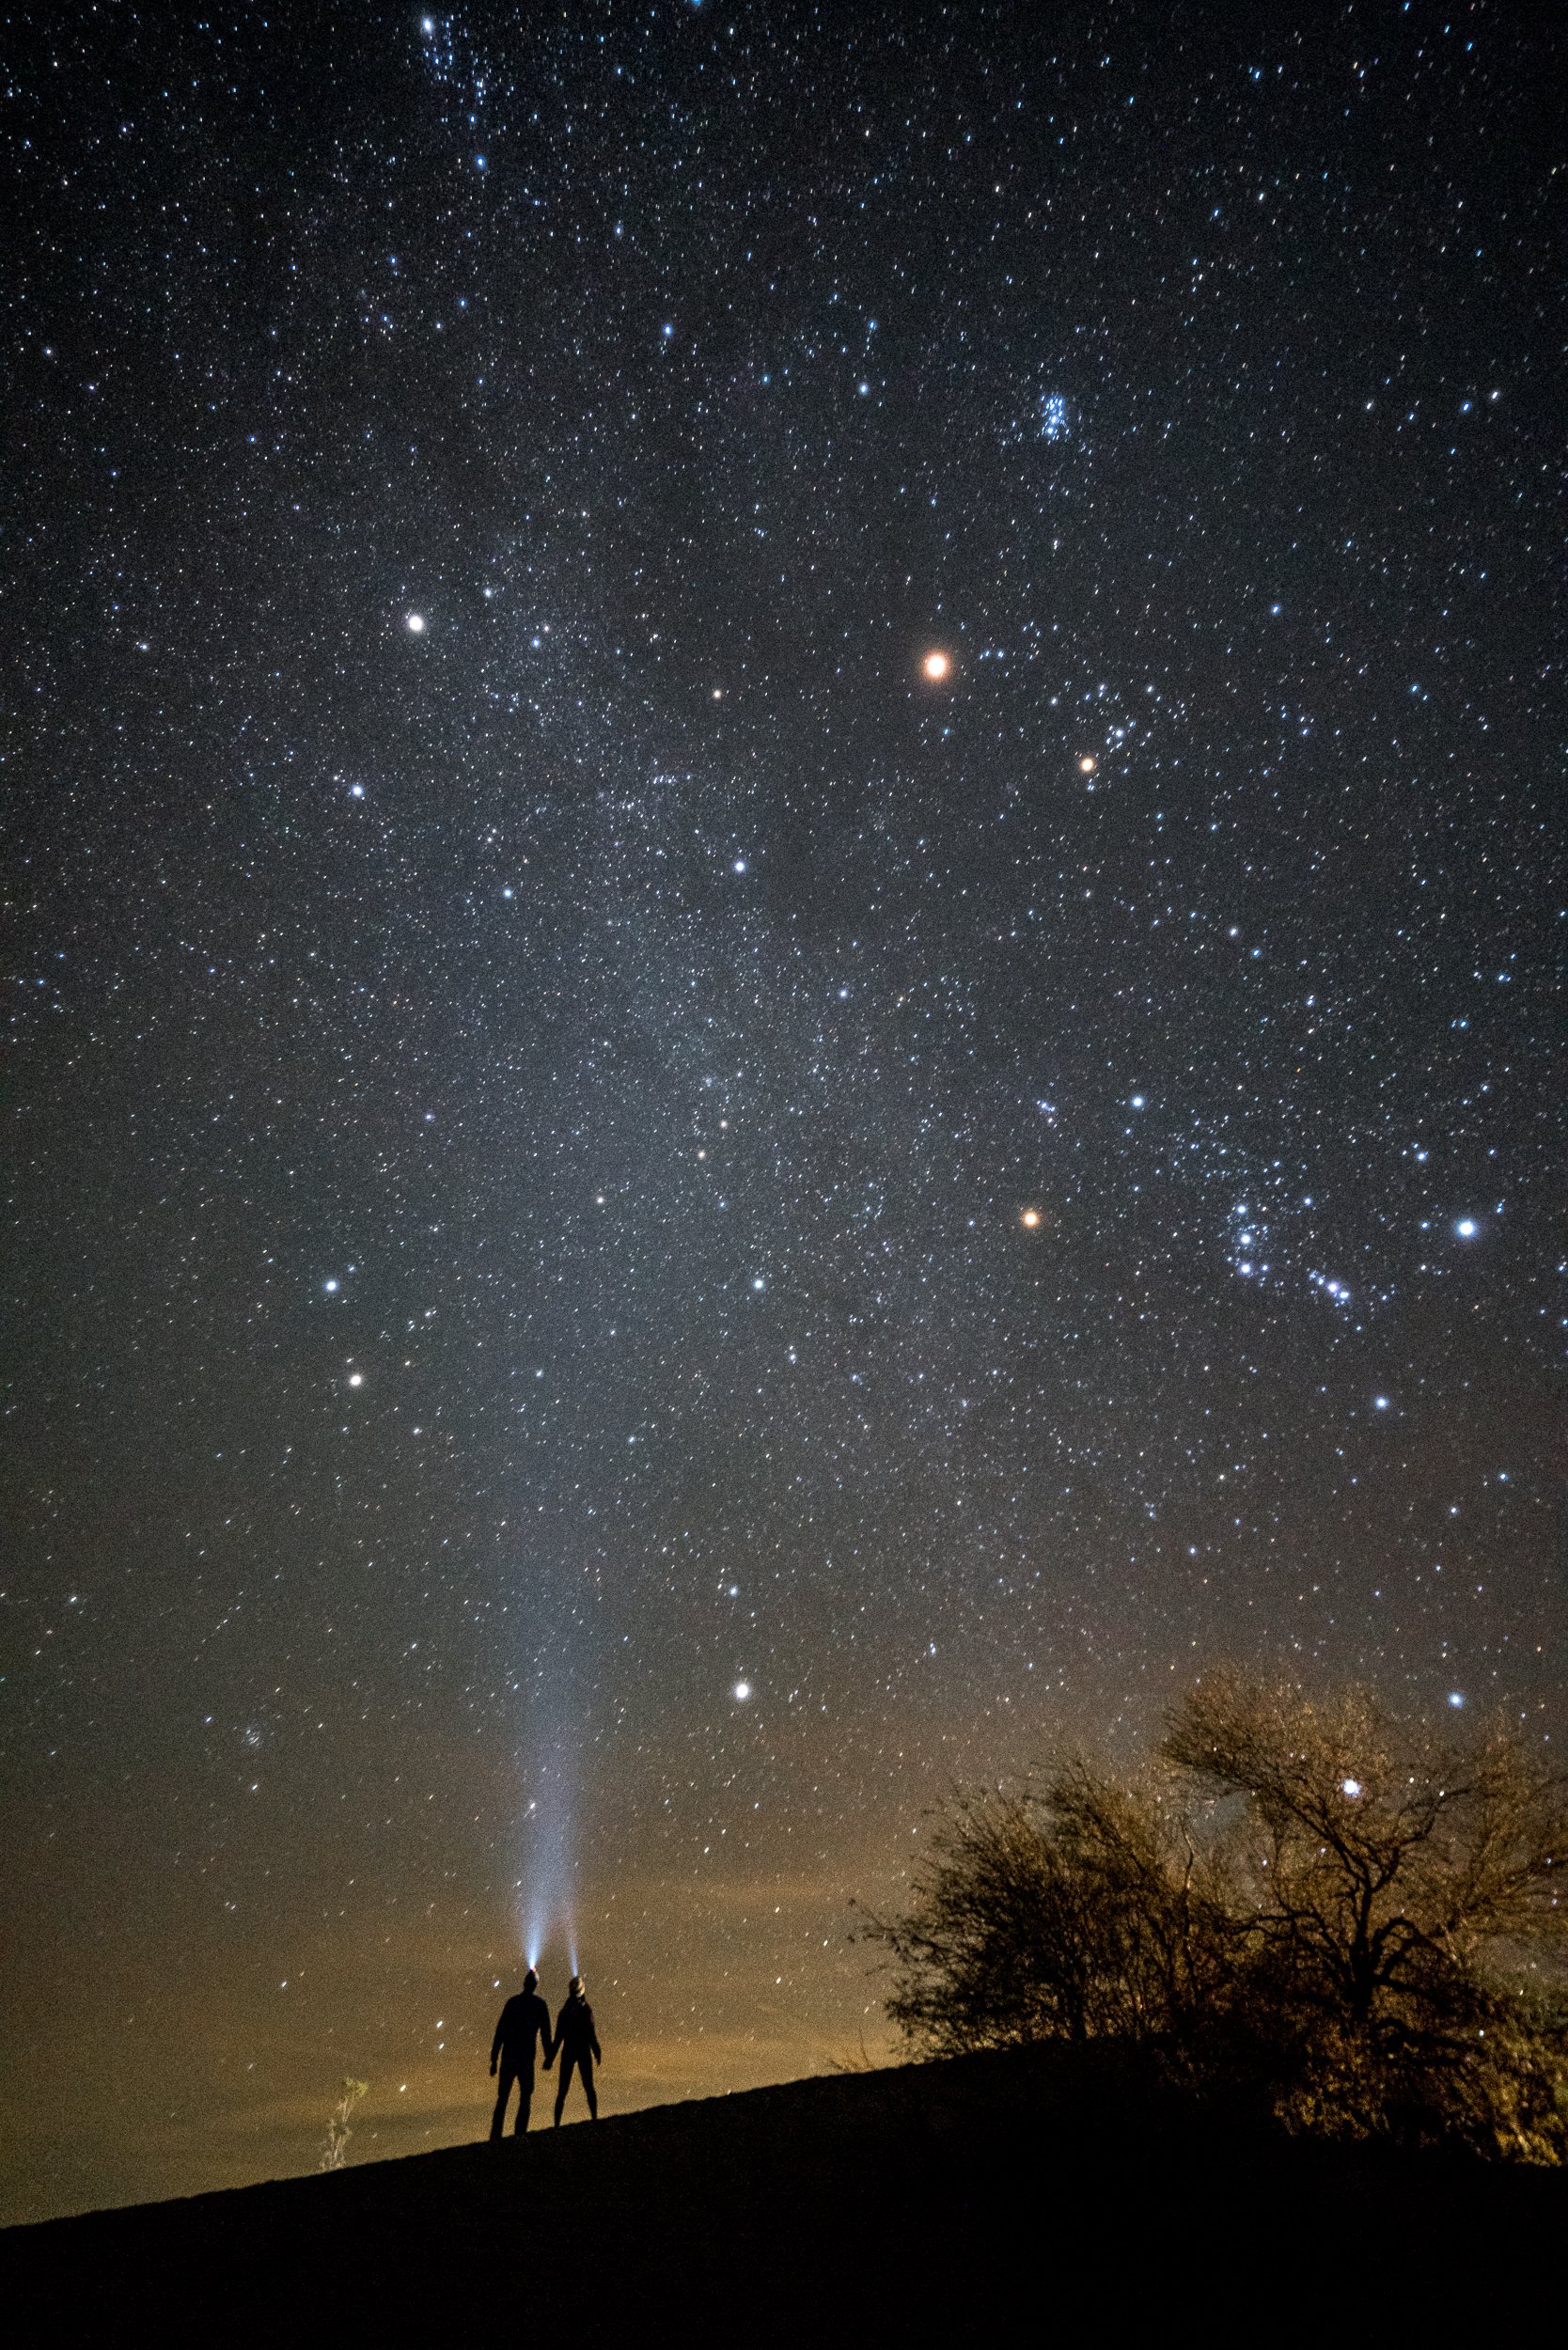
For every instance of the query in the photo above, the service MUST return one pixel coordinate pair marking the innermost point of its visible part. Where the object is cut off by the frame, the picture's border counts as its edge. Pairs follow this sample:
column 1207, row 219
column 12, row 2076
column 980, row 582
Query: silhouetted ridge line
column 1063, row 2178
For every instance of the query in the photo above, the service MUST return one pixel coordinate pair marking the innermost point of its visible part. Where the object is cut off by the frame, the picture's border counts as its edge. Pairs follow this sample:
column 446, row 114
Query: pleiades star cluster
column 783, row 806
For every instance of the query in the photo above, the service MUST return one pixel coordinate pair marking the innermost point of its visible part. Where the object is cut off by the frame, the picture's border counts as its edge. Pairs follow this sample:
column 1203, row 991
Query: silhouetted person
column 576, row 2044
column 523, row 2019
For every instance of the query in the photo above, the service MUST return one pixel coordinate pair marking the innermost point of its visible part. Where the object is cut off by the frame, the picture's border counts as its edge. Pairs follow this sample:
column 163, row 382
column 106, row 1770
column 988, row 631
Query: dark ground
column 1022, row 2195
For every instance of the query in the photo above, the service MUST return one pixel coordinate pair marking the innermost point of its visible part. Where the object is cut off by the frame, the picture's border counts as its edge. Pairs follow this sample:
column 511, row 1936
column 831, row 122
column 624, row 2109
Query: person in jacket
column 524, row 2020
column 576, row 2044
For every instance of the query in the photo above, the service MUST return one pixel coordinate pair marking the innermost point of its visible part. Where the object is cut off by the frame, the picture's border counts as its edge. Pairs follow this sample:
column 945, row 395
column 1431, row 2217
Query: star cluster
column 782, row 972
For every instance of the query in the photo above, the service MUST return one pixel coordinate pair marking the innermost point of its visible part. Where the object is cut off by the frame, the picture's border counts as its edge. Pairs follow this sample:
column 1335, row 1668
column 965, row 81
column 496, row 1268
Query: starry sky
column 783, row 910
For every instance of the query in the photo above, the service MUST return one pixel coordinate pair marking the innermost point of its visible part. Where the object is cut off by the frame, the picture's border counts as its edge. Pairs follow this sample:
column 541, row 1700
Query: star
column 940, row 997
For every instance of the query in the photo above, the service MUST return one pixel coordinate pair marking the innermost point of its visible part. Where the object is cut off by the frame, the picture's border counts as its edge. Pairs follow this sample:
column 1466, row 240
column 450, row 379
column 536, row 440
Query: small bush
column 338, row 2131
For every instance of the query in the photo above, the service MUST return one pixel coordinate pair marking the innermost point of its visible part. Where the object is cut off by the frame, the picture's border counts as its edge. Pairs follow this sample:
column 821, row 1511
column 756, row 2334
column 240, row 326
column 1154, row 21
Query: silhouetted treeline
column 1365, row 1927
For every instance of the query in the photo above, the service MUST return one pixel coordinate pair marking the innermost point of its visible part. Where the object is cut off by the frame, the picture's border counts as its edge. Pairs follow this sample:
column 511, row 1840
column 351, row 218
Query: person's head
column 576, row 1988
column 530, row 1980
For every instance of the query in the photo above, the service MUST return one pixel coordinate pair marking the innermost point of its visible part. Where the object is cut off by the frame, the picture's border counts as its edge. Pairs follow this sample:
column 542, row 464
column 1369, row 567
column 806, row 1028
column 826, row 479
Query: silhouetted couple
column 525, row 2019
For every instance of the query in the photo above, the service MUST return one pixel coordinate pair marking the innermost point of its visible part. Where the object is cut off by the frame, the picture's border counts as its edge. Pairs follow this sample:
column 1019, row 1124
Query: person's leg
column 567, row 2062
column 525, row 2099
column 588, row 2089
column 498, row 2119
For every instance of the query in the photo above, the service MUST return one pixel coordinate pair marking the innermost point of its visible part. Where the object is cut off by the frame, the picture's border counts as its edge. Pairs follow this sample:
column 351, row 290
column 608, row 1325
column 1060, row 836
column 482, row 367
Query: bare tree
column 1387, row 1875
column 1363, row 1926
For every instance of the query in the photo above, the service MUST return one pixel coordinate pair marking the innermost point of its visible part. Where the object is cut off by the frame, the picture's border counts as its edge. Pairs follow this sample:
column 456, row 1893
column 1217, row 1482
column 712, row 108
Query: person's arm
column 594, row 2040
column 547, row 2045
column 495, row 2043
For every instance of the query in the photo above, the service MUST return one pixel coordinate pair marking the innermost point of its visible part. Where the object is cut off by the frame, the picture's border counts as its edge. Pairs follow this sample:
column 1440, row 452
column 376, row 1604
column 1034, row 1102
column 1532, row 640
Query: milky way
column 782, row 799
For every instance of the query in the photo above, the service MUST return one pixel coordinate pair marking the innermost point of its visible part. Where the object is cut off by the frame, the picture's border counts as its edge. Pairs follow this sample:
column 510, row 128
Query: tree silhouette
column 1384, row 1874
column 1364, row 1925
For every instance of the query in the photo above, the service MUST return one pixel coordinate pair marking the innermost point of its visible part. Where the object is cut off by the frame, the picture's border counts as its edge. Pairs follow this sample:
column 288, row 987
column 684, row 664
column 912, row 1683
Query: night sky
column 640, row 1235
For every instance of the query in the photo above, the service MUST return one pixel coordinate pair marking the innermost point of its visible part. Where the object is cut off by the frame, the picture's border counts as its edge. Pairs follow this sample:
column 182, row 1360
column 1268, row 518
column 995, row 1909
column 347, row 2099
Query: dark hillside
column 1039, row 2189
